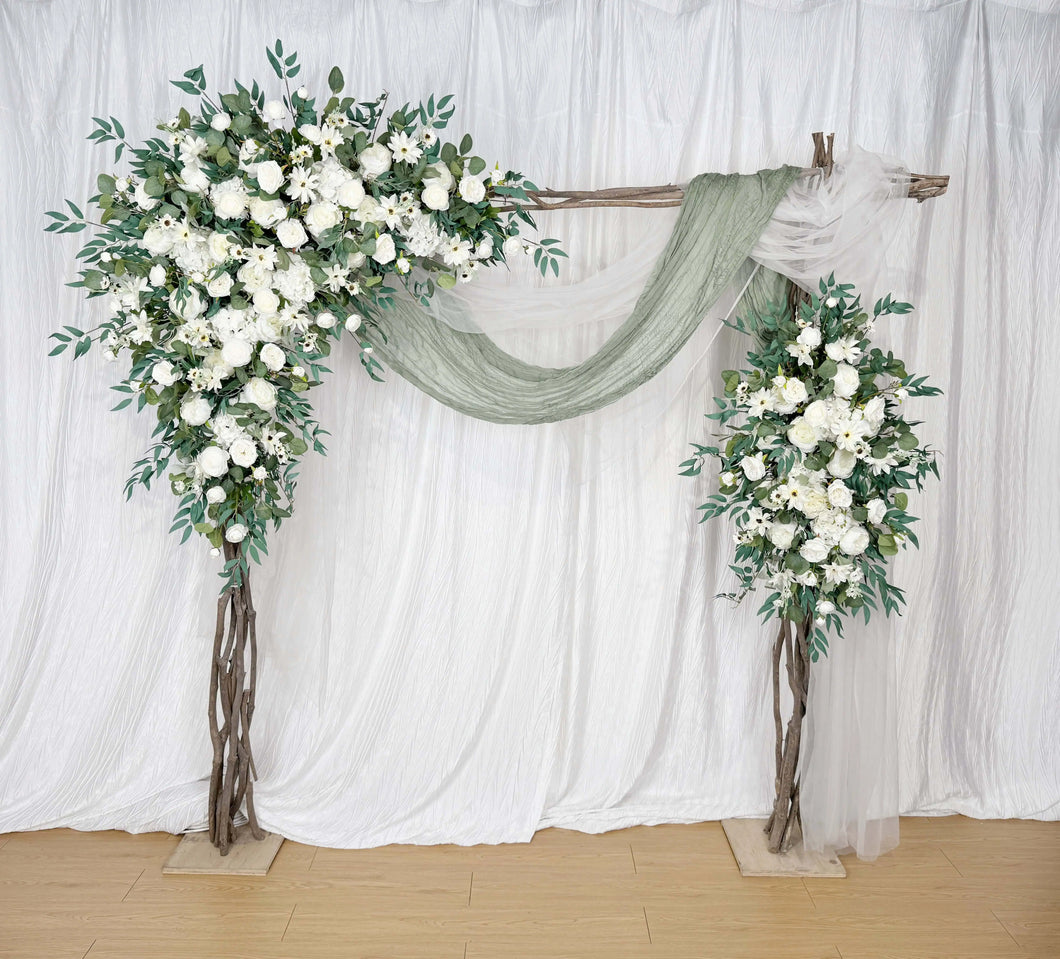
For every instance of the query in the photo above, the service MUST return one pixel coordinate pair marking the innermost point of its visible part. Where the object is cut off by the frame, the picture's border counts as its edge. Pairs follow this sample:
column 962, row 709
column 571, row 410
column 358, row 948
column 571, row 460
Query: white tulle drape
column 476, row 630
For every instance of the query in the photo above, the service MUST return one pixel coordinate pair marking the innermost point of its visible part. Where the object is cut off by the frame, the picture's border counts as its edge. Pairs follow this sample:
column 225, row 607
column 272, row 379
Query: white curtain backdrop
column 472, row 631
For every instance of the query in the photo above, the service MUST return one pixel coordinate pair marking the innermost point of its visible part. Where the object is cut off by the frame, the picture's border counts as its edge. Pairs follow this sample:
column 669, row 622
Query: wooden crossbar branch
column 922, row 186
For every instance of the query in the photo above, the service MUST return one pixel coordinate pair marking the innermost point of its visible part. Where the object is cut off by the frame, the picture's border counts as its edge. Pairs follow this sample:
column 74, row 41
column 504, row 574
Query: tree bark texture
column 233, row 678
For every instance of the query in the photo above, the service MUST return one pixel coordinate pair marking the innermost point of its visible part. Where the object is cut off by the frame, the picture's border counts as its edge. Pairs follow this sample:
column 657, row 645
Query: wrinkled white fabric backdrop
column 472, row 631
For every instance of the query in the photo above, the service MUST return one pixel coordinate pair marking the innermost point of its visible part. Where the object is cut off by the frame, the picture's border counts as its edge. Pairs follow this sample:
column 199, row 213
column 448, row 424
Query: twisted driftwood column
column 233, row 676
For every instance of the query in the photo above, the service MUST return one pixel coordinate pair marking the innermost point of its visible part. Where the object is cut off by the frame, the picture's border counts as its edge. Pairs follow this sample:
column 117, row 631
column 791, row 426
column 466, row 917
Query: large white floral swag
column 243, row 241
column 815, row 458
column 248, row 237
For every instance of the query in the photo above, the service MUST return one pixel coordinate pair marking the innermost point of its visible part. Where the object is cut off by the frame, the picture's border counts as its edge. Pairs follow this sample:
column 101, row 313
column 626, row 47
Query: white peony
column 813, row 503
column 196, row 409
column 435, row 196
column 839, row 494
column 273, row 357
column 375, row 160
column 260, row 393
column 818, row 414
column 322, row 216
column 846, row 381
column 193, row 178
column 875, row 410
column 802, row 434
column 266, row 301
column 754, row 467
column 472, row 190
column 237, row 352
column 220, row 286
column 243, row 451
column 384, row 249
column 157, row 240
column 350, row 194
column 274, row 110
column 842, row 463
column 229, row 204
column 877, row 509
column 325, row 320
column 311, row 132
column 854, row 541
column 291, row 234
column 369, row 211
column 811, row 337
column 219, row 246
column 267, row 212
column 815, row 550
column 439, row 173
column 213, row 461
column 236, row 533
column 164, row 373
column 782, row 535
column 216, row 494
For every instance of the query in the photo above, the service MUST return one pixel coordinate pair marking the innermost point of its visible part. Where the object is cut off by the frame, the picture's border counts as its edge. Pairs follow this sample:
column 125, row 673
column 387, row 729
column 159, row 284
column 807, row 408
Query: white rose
column 874, row 412
column 846, row 380
column 325, row 320
column 781, row 535
column 815, row 550
column 274, row 110
column 164, row 373
column 157, row 240
column 435, row 196
column 260, row 393
column 310, row 131
column 143, row 201
column 273, row 357
column 220, row 121
column 512, row 247
column 267, row 212
column 754, row 467
column 266, row 301
column 854, row 541
column 322, row 216
column 350, row 194
column 824, row 608
column 157, row 276
column 220, row 286
column 811, row 337
column 842, row 464
column 793, row 391
column 402, row 265
column 877, row 509
column 839, row 494
column 384, row 249
column 243, row 451
column 216, row 494
column 270, row 176
column 374, row 161
column 194, row 178
column 472, row 190
column 830, row 302
column 230, row 205
column 353, row 323
column 369, row 211
column 236, row 533
column 802, row 434
column 441, row 174
column 189, row 307
column 213, row 461
column 291, row 234
column 219, row 245
column 728, row 478
column 260, row 473
column 196, row 409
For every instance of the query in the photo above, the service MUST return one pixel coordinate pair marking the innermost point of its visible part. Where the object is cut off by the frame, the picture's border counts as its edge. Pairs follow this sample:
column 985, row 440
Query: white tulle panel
column 472, row 630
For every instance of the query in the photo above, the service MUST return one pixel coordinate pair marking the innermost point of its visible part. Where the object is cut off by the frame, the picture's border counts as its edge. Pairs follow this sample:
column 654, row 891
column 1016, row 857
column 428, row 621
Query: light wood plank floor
column 954, row 888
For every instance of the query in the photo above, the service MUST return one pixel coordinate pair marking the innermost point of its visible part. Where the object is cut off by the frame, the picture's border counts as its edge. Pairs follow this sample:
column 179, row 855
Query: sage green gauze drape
column 720, row 219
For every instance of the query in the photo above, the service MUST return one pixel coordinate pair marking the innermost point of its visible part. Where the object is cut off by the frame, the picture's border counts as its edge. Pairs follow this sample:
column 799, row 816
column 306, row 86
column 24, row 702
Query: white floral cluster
column 240, row 244
column 814, row 474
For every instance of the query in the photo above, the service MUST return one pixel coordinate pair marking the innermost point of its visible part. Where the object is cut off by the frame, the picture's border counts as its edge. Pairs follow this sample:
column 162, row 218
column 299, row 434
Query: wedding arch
column 254, row 232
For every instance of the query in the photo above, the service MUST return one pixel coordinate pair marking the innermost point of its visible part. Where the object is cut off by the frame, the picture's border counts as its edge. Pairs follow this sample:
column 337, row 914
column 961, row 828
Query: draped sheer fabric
column 471, row 630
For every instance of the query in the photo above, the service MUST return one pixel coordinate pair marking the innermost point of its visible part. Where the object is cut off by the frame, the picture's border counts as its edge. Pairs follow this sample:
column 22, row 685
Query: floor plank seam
column 288, row 926
column 470, row 887
column 133, row 886
column 89, row 949
column 808, row 893
column 316, row 849
column 644, row 909
column 1007, row 933
column 950, row 861
column 634, row 858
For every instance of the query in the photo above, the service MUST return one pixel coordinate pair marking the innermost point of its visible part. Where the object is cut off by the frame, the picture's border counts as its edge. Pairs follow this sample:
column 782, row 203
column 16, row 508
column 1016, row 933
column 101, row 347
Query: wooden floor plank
column 954, row 887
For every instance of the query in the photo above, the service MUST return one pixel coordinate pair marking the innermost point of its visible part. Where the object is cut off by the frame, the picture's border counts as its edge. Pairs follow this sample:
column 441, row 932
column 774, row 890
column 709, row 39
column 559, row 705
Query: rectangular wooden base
column 747, row 839
column 247, row 856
